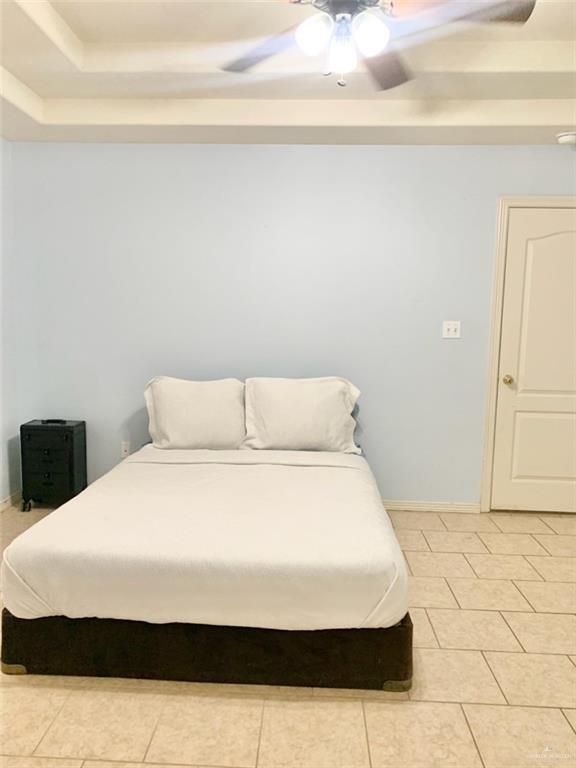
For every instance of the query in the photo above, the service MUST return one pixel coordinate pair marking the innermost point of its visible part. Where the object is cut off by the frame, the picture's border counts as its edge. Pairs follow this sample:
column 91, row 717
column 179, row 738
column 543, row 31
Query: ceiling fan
column 369, row 29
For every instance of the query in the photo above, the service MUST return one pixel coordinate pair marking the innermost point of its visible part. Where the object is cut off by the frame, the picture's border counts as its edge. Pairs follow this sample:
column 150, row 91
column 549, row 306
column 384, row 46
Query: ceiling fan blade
column 511, row 11
column 387, row 69
column 451, row 11
column 518, row 11
column 269, row 47
column 411, row 7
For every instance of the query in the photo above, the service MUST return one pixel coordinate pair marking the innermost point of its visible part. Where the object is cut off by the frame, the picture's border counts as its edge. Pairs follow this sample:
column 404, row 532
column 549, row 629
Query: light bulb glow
column 370, row 33
column 313, row 35
column 343, row 57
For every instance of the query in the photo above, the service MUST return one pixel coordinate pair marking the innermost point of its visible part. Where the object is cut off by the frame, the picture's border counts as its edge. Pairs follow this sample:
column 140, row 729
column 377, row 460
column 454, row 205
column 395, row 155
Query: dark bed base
column 335, row 658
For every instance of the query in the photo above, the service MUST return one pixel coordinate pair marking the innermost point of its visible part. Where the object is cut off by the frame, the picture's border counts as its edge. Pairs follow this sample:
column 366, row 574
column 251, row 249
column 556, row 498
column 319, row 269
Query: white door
column 535, row 438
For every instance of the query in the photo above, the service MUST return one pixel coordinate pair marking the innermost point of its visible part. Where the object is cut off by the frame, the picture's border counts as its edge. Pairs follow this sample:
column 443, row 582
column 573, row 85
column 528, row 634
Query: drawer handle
column 46, row 451
column 47, row 475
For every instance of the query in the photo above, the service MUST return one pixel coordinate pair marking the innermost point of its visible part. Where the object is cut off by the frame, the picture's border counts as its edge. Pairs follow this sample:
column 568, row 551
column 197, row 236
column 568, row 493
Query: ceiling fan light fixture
column 343, row 57
column 370, row 33
column 313, row 35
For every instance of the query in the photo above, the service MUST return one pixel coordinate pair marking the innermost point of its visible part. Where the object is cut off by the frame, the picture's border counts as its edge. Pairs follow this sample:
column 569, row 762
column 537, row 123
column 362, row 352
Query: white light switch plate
column 451, row 329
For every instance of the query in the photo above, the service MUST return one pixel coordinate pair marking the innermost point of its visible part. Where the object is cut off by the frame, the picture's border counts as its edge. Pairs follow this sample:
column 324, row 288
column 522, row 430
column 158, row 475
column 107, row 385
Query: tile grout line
column 477, row 610
column 472, row 734
column 480, row 536
column 442, row 521
column 515, row 578
column 528, row 563
column 426, row 530
column 456, row 551
column 432, row 625
column 530, row 535
column 160, row 713
column 512, row 629
column 544, row 547
column 530, row 608
column 51, row 723
column 471, row 566
column 477, row 650
column 444, row 576
column 546, row 524
column 542, row 577
column 572, row 725
column 494, row 676
column 453, row 594
column 504, row 704
column 517, row 588
column 535, row 515
column 104, row 759
column 492, row 519
column 426, row 539
column 444, row 529
column 528, row 653
column 260, row 733
column 366, row 733
column 485, row 610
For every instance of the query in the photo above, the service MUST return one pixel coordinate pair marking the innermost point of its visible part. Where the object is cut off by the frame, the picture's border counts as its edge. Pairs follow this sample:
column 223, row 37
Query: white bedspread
column 279, row 539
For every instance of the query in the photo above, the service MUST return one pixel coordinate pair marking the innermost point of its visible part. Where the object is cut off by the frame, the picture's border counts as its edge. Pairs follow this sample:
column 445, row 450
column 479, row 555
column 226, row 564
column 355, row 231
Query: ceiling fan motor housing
column 348, row 7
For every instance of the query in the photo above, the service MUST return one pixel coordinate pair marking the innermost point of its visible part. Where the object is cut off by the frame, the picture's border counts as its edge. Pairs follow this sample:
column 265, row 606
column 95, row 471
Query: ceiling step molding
column 149, row 71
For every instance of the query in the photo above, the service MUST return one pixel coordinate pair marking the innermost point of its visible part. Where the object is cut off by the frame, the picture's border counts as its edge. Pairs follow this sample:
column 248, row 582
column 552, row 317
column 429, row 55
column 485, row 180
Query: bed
column 277, row 567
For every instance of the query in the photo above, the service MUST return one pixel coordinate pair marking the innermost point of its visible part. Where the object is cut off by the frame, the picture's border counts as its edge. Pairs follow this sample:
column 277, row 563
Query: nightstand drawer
column 46, row 459
column 48, row 482
column 45, row 439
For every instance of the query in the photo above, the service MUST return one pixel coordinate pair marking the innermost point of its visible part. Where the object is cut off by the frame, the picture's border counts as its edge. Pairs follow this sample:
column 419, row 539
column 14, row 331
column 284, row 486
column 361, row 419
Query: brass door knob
column 508, row 379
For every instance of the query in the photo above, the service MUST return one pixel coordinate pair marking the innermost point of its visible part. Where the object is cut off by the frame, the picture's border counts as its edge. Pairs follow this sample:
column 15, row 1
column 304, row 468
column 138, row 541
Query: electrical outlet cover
column 451, row 329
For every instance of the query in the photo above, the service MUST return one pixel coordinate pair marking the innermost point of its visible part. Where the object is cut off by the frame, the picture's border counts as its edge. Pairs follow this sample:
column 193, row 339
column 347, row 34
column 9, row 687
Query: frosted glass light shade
column 370, row 33
column 343, row 57
column 313, row 35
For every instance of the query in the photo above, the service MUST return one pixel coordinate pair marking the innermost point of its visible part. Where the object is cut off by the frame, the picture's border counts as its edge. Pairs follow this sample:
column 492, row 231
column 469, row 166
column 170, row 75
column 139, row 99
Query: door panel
column 549, row 315
column 534, row 430
column 535, row 438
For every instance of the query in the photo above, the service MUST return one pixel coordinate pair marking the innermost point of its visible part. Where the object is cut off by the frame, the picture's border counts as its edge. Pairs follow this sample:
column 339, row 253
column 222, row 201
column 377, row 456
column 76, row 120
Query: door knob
column 508, row 379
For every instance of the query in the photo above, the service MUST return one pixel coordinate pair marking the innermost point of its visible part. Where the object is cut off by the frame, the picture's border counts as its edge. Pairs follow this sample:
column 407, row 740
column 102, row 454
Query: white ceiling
column 145, row 70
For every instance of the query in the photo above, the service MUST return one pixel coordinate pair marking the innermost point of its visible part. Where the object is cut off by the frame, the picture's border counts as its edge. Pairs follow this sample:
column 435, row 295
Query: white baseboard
column 10, row 501
column 394, row 505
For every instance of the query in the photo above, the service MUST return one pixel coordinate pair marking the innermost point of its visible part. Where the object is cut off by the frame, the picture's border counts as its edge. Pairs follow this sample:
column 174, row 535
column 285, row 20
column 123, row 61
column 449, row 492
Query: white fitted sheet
column 278, row 539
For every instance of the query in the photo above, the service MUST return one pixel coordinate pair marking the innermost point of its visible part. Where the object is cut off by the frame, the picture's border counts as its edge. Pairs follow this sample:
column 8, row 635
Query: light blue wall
column 129, row 261
column 6, row 219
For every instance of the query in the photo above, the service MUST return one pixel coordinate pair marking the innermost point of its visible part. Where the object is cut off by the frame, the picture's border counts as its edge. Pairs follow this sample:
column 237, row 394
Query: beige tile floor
column 493, row 603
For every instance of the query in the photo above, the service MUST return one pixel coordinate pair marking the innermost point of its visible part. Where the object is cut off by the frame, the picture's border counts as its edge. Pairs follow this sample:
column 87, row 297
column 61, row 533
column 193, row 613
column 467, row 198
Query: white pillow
column 195, row 414
column 301, row 414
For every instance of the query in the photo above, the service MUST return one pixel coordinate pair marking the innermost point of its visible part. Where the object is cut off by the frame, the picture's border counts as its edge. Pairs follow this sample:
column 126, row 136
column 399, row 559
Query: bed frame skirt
column 333, row 658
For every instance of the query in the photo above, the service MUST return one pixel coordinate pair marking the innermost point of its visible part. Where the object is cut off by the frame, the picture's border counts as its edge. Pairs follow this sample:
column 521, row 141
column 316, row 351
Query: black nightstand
column 53, row 461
